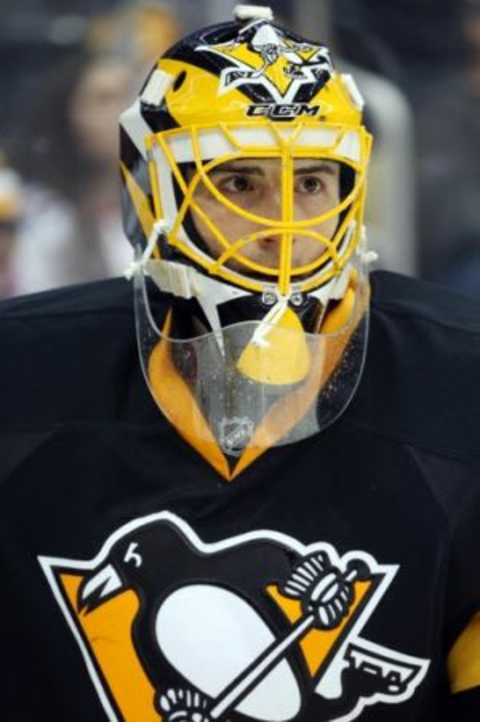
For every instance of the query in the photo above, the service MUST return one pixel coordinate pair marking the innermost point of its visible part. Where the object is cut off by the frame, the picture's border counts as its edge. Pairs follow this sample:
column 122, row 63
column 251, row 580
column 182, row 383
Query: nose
column 271, row 242
column 270, row 202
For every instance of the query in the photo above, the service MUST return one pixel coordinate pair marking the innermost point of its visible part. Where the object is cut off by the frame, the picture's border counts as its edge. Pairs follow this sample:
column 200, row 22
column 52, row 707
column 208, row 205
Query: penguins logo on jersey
column 254, row 627
column 268, row 66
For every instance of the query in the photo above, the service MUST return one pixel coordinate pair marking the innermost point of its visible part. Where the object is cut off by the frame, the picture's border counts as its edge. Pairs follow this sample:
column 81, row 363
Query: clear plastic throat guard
column 238, row 391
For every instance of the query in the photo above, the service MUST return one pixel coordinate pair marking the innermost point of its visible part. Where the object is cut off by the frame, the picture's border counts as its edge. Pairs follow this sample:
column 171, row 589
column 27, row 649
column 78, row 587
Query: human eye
column 309, row 185
column 236, row 183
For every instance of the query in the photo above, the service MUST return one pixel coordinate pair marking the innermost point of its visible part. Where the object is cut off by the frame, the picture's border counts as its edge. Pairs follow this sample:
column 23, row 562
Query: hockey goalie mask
column 244, row 164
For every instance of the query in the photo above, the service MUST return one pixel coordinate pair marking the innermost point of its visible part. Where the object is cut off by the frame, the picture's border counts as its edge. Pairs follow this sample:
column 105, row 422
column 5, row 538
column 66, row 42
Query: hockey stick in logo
column 326, row 595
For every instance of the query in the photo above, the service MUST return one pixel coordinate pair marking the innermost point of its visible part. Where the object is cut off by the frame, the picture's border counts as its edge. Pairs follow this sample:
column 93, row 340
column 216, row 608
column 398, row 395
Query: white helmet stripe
column 135, row 126
column 158, row 85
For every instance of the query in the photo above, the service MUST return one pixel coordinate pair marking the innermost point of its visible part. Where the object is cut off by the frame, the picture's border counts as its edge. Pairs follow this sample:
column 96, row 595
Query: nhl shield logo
column 235, row 433
column 254, row 627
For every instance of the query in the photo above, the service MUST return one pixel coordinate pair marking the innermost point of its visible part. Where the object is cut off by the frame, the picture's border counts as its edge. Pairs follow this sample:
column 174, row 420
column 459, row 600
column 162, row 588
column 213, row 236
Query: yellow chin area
column 341, row 314
column 280, row 355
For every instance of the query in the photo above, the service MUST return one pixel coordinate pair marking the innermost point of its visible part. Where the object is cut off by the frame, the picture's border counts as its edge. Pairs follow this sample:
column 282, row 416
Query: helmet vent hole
column 179, row 80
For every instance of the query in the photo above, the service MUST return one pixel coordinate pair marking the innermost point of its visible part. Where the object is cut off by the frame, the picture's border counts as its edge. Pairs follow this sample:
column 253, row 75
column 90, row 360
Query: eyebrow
column 318, row 168
column 257, row 170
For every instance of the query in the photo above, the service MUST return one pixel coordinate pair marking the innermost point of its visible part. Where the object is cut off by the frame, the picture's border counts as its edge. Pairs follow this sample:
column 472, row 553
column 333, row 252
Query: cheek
column 208, row 237
column 229, row 224
column 328, row 228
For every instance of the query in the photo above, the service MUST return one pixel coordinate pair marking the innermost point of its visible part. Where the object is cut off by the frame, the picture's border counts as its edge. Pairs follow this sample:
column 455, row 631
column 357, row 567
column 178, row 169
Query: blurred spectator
column 10, row 215
column 72, row 229
column 141, row 33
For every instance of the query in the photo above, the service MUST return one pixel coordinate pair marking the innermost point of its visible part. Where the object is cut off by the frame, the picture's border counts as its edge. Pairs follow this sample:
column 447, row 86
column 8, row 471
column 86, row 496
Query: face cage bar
column 329, row 262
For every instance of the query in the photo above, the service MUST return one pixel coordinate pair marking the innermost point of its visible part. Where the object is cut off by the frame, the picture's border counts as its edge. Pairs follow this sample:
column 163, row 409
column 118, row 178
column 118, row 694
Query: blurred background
column 68, row 67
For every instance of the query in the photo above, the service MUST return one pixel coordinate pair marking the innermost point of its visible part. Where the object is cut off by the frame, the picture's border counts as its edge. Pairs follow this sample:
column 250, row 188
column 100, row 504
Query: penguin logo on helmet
column 263, row 55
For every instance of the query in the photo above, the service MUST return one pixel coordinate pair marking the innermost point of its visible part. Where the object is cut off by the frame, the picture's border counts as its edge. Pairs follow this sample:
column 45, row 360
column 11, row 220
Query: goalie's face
column 256, row 185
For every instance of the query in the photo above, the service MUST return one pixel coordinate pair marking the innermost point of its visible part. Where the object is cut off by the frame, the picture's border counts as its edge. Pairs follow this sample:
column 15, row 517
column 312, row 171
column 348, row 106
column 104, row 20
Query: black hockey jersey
column 336, row 578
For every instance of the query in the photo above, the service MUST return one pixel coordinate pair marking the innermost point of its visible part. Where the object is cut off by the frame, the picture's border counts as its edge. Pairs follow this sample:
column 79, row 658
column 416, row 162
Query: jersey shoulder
column 424, row 302
column 110, row 296
column 421, row 380
column 69, row 355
